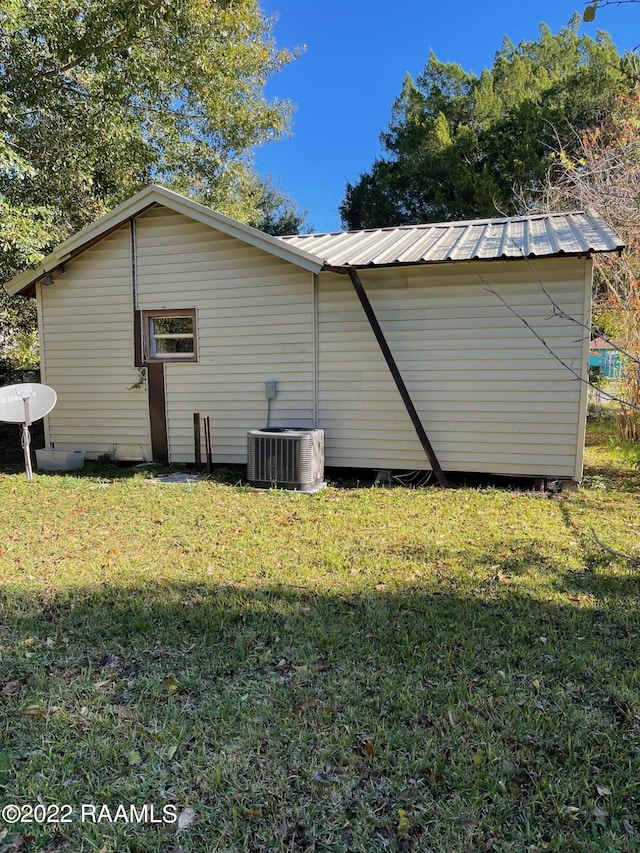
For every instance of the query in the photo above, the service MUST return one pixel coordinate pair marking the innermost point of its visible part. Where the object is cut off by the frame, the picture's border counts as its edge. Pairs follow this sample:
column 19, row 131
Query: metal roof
column 541, row 235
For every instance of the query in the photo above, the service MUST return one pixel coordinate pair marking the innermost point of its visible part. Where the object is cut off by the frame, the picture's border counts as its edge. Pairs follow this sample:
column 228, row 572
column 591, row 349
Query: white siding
column 87, row 343
column 491, row 397
column 254, row 322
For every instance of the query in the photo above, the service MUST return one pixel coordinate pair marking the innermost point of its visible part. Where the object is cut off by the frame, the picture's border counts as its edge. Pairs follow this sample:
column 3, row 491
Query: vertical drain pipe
column 397, row 377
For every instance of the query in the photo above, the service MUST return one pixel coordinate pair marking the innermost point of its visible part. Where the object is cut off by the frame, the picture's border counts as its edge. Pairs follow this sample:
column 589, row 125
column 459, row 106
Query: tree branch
column 52, row 72
column 568, row 367
column 558, row 311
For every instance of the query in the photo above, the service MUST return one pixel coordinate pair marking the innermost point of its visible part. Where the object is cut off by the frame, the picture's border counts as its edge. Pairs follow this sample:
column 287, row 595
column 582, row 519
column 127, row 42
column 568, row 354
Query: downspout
column 393, row 368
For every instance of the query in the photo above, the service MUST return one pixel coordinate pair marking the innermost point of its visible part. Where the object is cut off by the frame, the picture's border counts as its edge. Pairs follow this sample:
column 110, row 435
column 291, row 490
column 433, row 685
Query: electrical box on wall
column 270, row 388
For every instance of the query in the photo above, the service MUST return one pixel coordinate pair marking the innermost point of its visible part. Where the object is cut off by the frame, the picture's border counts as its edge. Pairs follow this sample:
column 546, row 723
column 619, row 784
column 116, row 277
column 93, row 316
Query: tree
column 99, row 98
column 465, row 146
column 602, row 173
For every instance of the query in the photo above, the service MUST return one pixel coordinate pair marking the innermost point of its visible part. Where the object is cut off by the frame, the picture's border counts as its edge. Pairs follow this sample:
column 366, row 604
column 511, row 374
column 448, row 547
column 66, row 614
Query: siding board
column 88, row 345
column 491, row 398
column 255, row 322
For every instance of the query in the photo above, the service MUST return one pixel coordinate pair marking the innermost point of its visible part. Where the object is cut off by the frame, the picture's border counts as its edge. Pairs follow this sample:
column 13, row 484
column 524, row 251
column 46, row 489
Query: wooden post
column 157, row 411
column 207, row 443
column 196, row 440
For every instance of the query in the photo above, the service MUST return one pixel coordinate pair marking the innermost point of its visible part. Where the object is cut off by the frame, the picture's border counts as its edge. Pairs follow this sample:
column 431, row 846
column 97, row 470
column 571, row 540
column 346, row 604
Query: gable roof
column 543, row 235
column 144, row 200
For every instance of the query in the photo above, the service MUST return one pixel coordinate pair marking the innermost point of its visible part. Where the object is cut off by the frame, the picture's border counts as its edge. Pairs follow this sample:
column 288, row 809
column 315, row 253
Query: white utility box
column 59, row 460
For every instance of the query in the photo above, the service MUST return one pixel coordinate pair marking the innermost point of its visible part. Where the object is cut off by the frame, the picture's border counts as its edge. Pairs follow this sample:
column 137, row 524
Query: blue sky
column 356, row 56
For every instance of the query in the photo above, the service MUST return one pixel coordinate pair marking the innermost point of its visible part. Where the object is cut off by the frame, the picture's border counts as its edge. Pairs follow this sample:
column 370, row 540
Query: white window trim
column 149, row 338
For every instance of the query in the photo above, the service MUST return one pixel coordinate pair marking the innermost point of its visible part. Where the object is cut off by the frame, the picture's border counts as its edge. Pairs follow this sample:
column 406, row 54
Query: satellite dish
column 40, row 399
column 24, row 404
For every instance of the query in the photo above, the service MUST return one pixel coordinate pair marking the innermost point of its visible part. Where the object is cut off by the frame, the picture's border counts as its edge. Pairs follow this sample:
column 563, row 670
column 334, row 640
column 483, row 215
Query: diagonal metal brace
column 395, row 372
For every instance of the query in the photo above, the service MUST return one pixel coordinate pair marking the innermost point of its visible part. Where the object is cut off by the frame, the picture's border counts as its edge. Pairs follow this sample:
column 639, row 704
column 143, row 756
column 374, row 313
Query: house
column 163, row 308
column 605, row 359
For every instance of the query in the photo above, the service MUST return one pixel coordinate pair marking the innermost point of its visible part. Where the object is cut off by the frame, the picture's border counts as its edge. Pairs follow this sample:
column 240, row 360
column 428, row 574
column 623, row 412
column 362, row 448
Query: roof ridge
column 453, row 223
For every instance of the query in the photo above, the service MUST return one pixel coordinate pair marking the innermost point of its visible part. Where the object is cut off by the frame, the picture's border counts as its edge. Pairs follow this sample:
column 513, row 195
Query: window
column 170, row 335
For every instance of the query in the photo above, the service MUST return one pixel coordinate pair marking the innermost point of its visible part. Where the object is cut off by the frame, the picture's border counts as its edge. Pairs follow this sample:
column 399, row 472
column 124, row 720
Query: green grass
column 360, row 670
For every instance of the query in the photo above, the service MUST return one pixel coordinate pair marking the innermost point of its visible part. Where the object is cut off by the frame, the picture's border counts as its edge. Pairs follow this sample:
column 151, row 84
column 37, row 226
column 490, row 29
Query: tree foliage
column 602, row 173
column 463, row 146
column 99, row 98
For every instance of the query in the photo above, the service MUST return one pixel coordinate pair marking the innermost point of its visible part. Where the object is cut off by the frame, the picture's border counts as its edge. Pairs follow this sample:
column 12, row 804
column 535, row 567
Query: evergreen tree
column 462, row 146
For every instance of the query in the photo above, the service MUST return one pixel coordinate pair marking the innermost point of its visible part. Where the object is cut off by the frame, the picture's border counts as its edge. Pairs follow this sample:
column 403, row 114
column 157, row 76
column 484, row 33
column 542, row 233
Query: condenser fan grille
column 285, row 458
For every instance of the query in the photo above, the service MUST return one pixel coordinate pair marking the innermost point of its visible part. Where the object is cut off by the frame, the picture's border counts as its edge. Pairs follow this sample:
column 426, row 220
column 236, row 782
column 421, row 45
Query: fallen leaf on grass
column 34, row 711
column 366, row 746
column 304, row 706
column 11, row 687
column 16, row 843
column 185, row 819
column 134, row 758
column 171, row 684
column 404, row 826
column 602, row 791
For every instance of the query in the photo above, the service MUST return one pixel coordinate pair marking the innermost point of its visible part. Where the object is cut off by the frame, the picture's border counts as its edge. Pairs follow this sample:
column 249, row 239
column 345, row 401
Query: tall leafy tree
column 101, row 97
column 463, row 146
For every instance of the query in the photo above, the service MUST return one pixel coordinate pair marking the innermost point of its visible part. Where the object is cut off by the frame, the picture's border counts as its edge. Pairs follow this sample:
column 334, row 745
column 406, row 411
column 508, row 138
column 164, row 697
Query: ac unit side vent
column 286, row 458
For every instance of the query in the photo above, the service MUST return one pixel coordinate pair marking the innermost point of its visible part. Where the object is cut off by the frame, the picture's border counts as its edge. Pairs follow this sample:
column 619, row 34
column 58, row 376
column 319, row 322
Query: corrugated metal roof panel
column 542, row 235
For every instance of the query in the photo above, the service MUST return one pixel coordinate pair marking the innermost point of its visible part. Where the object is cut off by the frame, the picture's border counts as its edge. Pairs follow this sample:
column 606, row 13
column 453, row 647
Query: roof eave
column 344, row 265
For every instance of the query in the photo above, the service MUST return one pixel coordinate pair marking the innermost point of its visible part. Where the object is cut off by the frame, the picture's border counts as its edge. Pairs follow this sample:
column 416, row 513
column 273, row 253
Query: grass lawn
column 360, row 670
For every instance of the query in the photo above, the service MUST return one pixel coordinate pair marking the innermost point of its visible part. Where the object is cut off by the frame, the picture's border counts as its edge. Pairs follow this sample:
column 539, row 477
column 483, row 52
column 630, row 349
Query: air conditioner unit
column 286, row 458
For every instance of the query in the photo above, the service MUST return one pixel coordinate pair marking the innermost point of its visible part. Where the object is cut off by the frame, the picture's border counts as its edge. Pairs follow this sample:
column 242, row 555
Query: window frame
column 148, row 337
